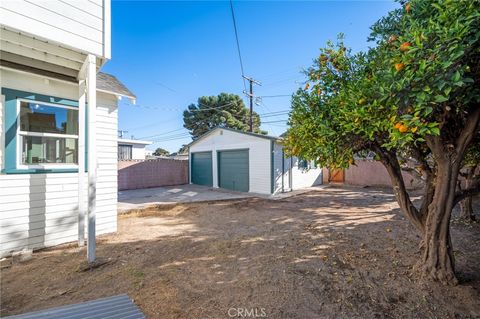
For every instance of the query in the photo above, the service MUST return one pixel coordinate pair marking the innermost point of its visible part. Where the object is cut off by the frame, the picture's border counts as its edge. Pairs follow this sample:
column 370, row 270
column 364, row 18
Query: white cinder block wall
column 259, row 156
column 40, row 210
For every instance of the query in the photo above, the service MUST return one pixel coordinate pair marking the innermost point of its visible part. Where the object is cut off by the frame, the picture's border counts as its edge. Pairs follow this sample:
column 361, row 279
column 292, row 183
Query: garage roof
column 268, row 137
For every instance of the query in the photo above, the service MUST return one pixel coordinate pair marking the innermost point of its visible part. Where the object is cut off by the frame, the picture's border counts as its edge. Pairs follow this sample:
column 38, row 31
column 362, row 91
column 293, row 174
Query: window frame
column 130, row 147
column 20, row 134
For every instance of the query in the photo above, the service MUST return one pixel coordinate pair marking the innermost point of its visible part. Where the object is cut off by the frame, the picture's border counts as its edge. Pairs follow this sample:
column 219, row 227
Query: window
column 124, row 152
column 48, row 134
column 302, row 163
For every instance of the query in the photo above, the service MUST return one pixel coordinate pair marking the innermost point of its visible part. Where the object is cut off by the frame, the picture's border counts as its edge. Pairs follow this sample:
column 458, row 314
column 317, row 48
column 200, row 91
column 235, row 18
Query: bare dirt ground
column 334, row 253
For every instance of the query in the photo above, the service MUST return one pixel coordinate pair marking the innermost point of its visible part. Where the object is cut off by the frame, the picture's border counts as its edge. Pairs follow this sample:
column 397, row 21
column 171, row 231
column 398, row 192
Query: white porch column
column 92, row 154
column 81, row 161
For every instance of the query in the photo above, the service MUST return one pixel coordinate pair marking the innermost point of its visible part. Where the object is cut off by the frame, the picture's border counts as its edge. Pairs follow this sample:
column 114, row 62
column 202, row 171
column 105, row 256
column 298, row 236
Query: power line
column 170, row 139
column 276, row 112
column 273, row 115
column 238, row 44
column 272, row 96
column 276, row 121
column 164, row 133
column 137, row 128
column 178, row 109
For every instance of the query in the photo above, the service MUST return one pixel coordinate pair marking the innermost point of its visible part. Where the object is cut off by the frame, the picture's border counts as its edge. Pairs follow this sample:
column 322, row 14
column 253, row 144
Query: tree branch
column 390, row 161
column 467, row 133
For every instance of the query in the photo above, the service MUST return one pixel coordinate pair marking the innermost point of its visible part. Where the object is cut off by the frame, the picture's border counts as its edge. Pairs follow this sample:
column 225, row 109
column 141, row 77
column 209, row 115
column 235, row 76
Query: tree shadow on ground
column 343, row 253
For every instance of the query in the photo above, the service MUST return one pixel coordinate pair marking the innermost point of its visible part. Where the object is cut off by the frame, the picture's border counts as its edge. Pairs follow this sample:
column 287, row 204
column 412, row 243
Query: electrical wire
column 272, row 96
column 276, row 121
column 163, row 133
column 177, row 109
column 238, row 44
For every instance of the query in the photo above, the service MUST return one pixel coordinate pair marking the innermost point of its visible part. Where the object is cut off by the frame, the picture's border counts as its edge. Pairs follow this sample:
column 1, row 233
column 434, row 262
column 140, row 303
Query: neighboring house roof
column 268, row 137
column 129, row 141
column 110, row 84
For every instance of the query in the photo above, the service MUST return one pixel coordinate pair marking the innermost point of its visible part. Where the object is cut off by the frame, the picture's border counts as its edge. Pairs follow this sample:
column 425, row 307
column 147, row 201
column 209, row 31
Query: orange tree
column 415, row 94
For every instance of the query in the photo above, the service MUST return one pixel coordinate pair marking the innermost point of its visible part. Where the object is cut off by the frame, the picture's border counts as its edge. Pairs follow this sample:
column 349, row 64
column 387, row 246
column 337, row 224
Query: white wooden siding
column 293, row 177
column 259, row 156
column 79, row 24
column 40, row 210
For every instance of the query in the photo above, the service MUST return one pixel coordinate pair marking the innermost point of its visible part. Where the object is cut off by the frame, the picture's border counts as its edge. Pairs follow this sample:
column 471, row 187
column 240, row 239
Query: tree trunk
column 466, row 205
column 438, row 259
column 466, row 209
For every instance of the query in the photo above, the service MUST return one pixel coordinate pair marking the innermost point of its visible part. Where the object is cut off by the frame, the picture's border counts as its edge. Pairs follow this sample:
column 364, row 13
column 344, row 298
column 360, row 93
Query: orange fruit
column 307, row 86
column 403, row 128
column 392, row 39
column 405, row 46
column 414, row 129
column 408, row 7
column 399, row 66
column 397, row 126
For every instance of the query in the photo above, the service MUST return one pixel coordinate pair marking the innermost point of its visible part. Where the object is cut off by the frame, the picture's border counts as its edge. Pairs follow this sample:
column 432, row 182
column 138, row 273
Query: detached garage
column 248, row 162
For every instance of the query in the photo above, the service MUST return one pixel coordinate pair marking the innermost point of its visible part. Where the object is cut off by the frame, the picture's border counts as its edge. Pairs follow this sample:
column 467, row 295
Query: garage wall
column 259, row 156
column 293, row 177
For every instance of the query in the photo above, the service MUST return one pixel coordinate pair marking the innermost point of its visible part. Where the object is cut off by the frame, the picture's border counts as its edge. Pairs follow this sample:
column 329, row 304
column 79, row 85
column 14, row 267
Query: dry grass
column 333, row 253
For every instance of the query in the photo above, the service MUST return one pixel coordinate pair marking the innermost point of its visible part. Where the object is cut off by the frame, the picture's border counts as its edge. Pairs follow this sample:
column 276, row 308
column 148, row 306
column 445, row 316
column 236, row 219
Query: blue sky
column 171, row 52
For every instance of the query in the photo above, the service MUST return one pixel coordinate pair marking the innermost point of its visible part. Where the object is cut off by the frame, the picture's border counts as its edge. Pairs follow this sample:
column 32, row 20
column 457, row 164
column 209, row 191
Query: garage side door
column 233, row 170
column 201, row 168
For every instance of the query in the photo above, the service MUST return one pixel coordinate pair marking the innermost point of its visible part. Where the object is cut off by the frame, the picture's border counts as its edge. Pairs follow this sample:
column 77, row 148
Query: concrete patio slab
column 142, row 198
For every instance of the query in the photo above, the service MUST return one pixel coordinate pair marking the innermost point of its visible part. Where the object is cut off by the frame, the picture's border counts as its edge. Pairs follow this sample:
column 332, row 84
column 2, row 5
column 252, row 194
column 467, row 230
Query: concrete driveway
column 141, row 198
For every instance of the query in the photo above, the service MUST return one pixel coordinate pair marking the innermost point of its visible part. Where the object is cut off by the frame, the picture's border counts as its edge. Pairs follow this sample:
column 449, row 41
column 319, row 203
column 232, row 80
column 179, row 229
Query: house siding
column 77, row 24
column 293, row 177
column 259, row 156
column 40, row 210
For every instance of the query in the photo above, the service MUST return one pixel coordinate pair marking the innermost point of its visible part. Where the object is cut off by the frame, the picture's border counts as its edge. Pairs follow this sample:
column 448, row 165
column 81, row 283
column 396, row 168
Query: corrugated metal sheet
column 120, row 307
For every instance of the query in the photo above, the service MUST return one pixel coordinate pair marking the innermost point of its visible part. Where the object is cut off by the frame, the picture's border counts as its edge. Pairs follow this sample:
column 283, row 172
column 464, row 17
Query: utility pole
column 121, row 132
column 250, row 95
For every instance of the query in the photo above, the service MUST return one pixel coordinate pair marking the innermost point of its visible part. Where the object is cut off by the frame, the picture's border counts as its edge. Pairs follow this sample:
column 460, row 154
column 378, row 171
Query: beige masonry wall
column 372, row 173
column 136, row 174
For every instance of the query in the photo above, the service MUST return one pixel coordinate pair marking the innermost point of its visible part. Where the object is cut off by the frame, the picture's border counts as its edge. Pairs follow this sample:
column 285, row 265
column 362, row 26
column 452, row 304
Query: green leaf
column 440, row 98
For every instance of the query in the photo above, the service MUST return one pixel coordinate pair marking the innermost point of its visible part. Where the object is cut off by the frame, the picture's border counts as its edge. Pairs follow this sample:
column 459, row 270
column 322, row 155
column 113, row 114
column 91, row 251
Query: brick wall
column 134, row 174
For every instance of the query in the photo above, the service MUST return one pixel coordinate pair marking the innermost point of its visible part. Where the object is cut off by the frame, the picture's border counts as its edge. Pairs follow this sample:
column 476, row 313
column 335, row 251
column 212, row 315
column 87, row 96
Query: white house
column 132, row 149
column 58, row 124
column 248, row 162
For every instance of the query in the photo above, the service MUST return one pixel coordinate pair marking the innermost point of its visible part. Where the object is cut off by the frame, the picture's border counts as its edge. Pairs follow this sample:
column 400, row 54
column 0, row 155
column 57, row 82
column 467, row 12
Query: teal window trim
column 11, row 121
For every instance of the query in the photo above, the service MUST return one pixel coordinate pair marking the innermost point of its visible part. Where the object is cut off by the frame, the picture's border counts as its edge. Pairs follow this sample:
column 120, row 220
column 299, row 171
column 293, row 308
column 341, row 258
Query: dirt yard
column 334, row 253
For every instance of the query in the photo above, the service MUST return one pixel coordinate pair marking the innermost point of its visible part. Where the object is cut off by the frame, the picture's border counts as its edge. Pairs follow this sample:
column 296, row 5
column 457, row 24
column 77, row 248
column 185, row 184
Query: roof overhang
column 268, row 137
column 130, row 141
column 32, row 51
